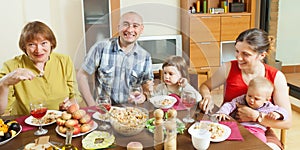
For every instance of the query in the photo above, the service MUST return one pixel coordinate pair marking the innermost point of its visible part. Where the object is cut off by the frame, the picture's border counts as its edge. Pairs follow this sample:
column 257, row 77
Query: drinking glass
column 135, row 93
column 38, row 110
column 188, row 99
column 103, row 106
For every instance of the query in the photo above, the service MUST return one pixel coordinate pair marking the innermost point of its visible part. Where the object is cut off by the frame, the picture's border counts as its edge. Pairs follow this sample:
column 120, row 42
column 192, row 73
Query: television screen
column 160, row 47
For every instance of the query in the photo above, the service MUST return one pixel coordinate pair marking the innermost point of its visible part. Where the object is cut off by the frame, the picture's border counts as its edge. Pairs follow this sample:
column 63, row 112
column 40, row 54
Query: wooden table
column 146, row 138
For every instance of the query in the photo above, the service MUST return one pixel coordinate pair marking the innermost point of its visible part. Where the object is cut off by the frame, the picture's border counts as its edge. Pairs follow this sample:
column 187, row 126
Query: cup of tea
column 201, row 139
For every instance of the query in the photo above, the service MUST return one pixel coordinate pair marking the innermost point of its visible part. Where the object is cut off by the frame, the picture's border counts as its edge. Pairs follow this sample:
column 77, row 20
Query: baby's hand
column 182, row 82
column 273, row 115
column 222, row 117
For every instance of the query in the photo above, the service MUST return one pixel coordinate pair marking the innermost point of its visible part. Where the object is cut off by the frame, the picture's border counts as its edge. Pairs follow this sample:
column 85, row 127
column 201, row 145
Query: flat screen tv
column 160, row 47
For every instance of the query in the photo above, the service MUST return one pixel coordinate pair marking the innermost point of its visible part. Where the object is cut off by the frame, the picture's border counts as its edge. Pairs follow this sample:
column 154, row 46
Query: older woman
column 38, row 74
column 252, row 47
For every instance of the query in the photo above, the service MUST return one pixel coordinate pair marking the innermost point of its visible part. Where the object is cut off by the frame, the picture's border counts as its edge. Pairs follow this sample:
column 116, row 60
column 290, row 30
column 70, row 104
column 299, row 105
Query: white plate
column 225, row 135
column 99, row 116
column 28, row 120
column 157, row 101
column 7, row 140
column 80, row 134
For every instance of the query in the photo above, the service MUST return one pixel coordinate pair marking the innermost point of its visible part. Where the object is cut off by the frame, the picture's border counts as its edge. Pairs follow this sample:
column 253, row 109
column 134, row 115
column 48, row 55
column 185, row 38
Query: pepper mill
column 171, row 134
column 158, row 131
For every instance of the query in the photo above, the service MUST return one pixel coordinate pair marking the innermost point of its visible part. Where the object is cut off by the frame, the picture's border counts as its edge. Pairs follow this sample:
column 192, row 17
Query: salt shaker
column 171, row 134
column 158, row 131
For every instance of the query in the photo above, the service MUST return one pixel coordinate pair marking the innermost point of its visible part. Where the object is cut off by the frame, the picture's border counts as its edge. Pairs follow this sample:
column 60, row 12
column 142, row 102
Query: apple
column 62, row 129
column 85, row 119
column 85, row 128
column 91, row 123
column 72, row 108
column 71, row 123
column 66, row 116
column 78, row 114
column 60, row 121
column 76, row 130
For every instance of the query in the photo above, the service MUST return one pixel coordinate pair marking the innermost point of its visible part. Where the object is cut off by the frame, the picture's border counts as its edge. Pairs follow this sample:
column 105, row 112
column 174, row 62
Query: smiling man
column 118, row 63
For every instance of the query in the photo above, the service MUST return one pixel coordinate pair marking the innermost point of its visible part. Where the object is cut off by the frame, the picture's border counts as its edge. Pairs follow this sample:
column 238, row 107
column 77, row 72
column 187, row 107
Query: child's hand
column 222, row 117
column 273, row 115
column 182, row 82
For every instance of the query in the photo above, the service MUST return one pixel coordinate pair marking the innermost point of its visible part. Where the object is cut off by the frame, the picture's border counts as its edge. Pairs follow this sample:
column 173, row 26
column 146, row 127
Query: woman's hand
column 206, row 104
column 18, row 75
column 246, row 113
column 67, row 103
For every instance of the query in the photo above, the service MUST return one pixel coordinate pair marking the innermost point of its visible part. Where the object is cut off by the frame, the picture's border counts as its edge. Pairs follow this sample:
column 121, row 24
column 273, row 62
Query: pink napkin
column 235, row 131
column 25, row 127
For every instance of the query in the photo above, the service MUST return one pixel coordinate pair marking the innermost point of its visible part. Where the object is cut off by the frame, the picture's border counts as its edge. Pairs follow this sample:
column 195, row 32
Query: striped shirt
column 115, row 71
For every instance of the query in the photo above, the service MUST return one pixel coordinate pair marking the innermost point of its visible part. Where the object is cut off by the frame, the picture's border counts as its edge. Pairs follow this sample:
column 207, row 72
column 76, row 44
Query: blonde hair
column 262, row 84
column 179, row 63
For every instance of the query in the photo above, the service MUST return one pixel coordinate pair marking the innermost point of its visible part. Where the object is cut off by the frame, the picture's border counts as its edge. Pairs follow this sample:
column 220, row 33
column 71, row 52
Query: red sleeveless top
column 235, row 86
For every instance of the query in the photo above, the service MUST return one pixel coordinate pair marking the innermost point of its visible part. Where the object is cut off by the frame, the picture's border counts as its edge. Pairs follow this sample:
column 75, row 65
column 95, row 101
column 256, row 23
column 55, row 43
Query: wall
column 160, row 17
column 288, row 43
column 57, row 14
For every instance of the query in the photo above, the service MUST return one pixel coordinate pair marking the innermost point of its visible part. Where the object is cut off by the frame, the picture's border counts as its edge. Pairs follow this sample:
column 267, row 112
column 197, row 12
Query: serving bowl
column 163, row 101
column 128, row 121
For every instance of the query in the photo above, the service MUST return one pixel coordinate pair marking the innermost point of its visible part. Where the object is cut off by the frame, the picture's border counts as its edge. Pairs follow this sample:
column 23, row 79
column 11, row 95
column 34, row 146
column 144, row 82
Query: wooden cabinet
column 205, row 28
column 203, row 32
column 233, row 25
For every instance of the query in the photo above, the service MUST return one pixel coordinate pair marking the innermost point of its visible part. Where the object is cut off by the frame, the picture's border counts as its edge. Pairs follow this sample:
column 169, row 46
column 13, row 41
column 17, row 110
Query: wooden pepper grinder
column 158, row 131
column 170, row 125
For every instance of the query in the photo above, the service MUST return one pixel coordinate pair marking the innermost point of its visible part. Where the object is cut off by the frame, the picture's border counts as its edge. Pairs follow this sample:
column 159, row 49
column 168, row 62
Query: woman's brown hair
column 32, row 31
column 259, row 41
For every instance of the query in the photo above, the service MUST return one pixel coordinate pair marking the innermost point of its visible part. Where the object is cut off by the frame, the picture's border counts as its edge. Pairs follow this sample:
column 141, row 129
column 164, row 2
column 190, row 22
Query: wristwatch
column 259, row 118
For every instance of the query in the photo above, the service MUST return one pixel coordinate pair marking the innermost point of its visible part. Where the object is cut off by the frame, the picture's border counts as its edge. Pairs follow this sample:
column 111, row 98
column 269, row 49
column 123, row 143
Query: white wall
column 62, row 16
column 160, row 16
column 288, row 36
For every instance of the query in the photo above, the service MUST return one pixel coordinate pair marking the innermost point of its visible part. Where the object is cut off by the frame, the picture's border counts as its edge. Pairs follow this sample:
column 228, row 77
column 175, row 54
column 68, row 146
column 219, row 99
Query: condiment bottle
column 68, row 143
column 171, row 134
column 158, row 131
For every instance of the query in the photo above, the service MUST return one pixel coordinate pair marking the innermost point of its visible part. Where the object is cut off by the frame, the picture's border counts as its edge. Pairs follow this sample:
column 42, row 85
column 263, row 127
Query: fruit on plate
column 62, row 129
column 71, row 123
column 98, row 140
column 72, row 108
column 66, row 116
column 8, row 129
column 85, row 119
column 60, row 121
column 78, row 114
column 79, row 120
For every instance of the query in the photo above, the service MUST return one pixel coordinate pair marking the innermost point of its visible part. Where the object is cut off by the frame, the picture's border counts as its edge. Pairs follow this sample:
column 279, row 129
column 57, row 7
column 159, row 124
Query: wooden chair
column 283, row 134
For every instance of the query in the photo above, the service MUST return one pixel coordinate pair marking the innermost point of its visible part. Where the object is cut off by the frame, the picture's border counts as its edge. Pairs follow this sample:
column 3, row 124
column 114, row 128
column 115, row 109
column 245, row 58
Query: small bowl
column 163, row 101
column 129, row 121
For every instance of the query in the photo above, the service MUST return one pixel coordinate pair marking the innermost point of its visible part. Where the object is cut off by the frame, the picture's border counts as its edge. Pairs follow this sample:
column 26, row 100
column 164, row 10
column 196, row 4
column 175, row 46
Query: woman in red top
column 252, row 46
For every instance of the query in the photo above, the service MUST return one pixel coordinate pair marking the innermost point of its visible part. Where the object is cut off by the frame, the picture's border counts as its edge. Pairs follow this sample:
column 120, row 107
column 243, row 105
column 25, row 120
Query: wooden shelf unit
column 202, row 33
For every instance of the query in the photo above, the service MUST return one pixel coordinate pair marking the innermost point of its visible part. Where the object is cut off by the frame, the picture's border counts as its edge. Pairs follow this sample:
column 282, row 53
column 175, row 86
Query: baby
column 258, row 98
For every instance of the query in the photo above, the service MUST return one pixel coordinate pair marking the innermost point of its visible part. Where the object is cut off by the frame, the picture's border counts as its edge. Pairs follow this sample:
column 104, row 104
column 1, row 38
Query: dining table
column 145, row 137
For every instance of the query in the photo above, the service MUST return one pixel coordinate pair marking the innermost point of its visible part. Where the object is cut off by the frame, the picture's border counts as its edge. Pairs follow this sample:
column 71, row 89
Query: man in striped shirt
column 118, row 64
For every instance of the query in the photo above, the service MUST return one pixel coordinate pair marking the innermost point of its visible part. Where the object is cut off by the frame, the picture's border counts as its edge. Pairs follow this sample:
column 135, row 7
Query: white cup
column 201, row 139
